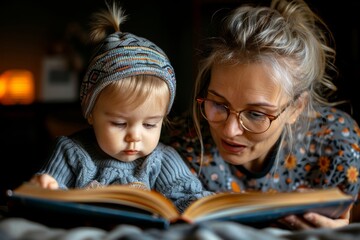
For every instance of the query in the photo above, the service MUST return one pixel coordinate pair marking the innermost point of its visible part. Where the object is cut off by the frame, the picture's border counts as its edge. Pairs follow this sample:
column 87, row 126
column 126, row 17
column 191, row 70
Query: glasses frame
column 201, row 100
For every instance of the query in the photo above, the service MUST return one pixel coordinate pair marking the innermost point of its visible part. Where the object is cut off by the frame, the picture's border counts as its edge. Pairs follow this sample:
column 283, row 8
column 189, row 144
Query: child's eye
column 149, row 125
column 119, row 124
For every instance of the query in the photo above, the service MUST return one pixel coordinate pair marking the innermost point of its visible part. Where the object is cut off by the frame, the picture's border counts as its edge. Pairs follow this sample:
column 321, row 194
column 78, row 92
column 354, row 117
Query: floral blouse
column 328, row 156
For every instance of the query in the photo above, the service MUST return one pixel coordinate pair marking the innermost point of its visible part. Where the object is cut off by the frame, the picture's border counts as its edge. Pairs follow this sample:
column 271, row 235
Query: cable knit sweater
column 77, row 162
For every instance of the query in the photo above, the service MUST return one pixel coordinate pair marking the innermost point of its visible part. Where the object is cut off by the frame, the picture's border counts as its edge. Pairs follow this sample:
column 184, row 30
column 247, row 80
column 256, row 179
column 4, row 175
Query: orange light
column 17, row 87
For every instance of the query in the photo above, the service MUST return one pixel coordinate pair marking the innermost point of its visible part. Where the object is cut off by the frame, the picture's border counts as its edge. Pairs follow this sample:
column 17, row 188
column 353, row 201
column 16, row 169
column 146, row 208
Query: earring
column 293, row 120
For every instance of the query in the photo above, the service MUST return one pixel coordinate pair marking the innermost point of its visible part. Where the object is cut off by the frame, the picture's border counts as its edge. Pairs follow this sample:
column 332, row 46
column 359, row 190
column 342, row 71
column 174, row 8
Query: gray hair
column 291, row 40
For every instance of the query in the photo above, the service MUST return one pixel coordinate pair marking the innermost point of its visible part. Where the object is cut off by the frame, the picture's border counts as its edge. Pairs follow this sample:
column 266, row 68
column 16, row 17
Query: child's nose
column 133, row 135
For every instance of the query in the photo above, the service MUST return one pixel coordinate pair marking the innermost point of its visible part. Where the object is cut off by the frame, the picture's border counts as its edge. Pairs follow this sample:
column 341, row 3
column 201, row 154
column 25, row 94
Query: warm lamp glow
column 17, row 87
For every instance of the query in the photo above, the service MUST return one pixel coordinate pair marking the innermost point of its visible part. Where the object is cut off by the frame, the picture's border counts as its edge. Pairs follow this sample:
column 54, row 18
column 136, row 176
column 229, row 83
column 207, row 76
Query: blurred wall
column 31, row 29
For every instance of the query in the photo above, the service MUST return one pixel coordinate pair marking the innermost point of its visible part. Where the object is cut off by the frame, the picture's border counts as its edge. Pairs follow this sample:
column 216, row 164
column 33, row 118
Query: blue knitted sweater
column 77, row 162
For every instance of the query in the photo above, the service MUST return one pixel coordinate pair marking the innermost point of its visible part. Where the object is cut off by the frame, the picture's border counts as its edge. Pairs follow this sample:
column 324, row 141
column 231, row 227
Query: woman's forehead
column 245, row 81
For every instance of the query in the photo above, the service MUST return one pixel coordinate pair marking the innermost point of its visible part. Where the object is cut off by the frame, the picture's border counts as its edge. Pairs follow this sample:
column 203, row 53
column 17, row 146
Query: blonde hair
column 291, row 40
column 135, row 90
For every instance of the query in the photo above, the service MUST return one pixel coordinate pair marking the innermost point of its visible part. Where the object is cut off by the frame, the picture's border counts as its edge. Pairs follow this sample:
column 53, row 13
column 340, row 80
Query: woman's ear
column 90, row 119
column 298, row 107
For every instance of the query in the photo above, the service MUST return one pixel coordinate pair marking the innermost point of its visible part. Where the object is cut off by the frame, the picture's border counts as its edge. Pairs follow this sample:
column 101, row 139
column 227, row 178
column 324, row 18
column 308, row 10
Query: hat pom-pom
column 106, row 22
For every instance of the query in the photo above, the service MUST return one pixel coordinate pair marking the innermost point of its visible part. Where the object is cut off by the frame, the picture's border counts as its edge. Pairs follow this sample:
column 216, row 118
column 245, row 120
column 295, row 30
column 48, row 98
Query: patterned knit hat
column 123, row 55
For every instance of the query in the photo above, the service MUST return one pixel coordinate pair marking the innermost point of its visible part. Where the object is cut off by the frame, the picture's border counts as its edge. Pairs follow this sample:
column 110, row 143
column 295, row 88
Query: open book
column 147, row 208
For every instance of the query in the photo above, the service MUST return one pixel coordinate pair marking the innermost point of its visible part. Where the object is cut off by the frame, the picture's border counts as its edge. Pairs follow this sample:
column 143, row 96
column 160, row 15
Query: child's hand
column 45, row 181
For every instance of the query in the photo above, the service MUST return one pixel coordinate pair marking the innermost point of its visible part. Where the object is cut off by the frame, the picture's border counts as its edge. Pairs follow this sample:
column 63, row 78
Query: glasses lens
column 253, row 121
column 213, row 111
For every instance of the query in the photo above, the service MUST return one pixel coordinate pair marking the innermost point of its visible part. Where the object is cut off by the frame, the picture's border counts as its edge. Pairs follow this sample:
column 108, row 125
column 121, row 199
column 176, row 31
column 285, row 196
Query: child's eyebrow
column 119, row 115
column 158, row 117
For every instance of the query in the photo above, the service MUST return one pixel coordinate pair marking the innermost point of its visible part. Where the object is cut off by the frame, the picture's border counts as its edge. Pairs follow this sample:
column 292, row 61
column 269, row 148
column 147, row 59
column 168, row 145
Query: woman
column 261, row 110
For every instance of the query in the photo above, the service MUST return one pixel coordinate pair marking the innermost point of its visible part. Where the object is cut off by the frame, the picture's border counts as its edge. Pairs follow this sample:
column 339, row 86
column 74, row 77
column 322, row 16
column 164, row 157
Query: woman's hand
column 314, row 220
column 45, row 181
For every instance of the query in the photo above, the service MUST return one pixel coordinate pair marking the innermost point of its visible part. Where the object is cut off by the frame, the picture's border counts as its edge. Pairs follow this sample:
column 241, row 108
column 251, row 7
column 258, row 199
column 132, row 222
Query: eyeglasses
column 252, row 121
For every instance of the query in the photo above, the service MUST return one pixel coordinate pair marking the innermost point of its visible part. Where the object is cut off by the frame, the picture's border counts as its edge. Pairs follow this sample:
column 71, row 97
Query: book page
column 224, row 204
column 115, row 194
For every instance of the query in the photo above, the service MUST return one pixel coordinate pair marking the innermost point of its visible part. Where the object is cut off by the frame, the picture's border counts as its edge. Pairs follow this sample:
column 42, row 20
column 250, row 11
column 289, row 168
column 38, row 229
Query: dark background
column 31, row 30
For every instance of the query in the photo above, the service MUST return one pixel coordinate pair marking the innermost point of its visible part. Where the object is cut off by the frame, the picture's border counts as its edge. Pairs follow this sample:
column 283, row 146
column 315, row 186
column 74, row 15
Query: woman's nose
column 232, row 126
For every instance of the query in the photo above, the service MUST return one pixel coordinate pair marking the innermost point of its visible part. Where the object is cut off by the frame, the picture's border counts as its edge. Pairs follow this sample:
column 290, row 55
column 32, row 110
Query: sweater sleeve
column 64, row 163
column 176, row 181
column 340, row 139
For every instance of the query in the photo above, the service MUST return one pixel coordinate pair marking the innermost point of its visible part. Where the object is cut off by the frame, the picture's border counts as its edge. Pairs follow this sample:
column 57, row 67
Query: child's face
column 126, row 132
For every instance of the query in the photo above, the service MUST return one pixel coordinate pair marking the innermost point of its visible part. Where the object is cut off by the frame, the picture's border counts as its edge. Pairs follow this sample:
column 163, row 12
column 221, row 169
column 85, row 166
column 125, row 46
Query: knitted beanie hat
column 122, row 55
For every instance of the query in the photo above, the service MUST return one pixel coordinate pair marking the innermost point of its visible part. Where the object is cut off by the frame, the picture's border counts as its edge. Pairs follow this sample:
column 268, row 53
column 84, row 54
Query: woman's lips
column 232, row 147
